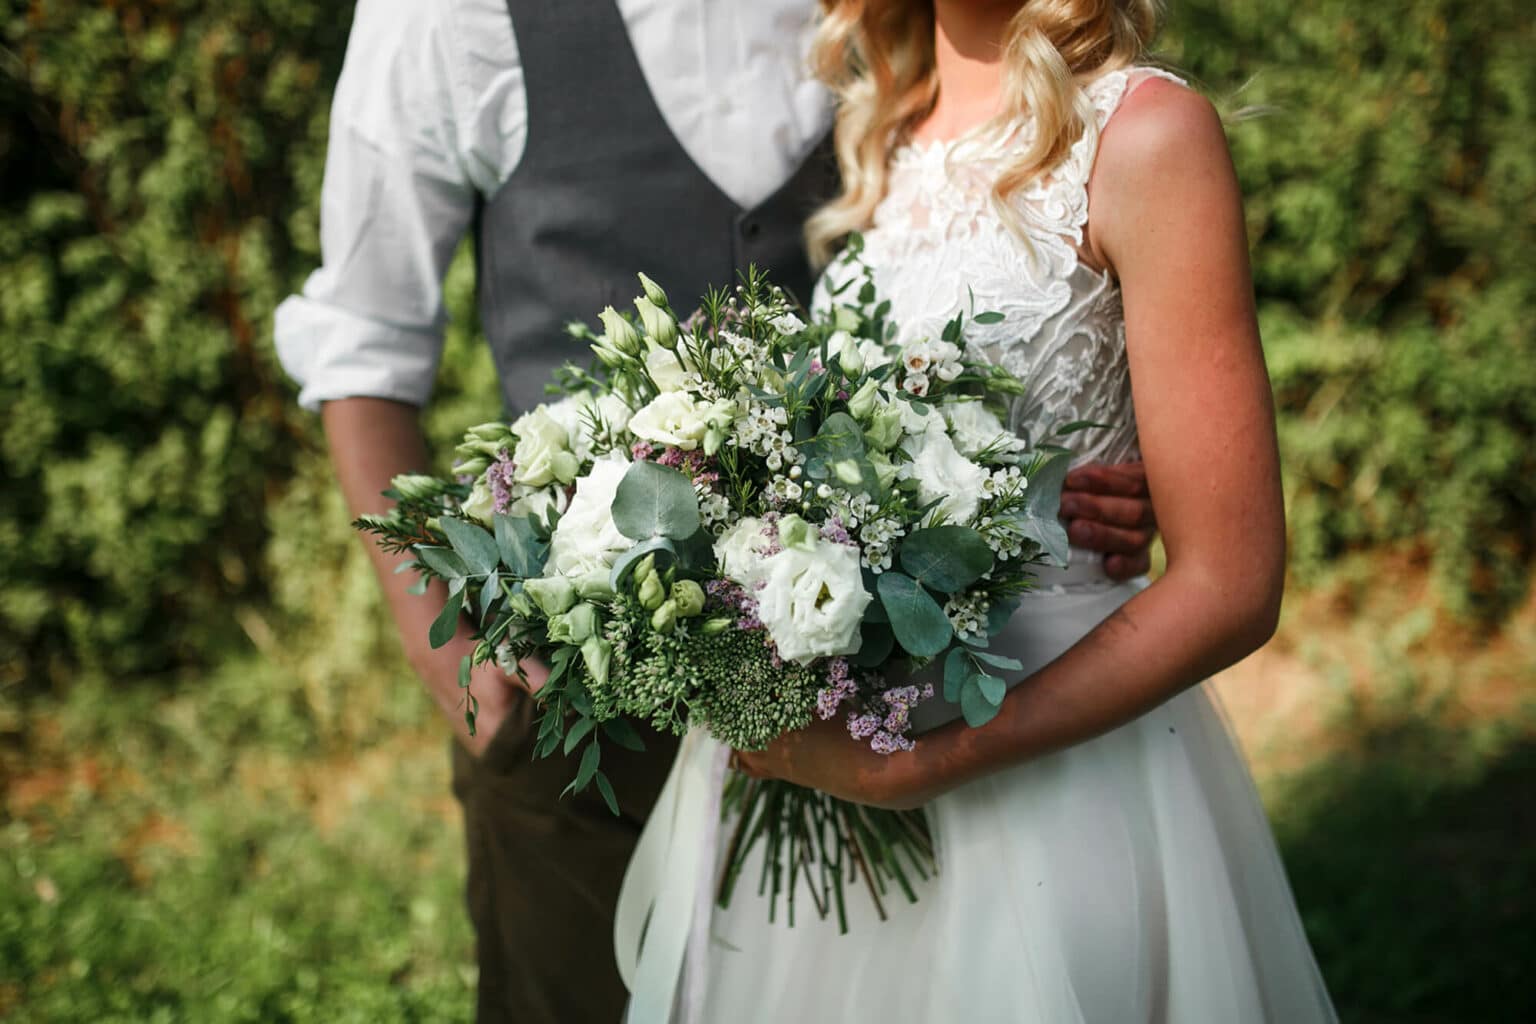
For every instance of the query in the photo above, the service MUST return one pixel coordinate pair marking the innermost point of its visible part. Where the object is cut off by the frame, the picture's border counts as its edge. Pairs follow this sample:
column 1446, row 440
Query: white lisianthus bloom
column 739, row 551
column 812, row 601
column 577, row 413
column 585, row 540
column 915, row 423
column 944, row 475
column 538, row 503
column 543, row 454
column 665, row 368
column 677, row 418
column 975, row 429
column 874, row 354
column 787, row 323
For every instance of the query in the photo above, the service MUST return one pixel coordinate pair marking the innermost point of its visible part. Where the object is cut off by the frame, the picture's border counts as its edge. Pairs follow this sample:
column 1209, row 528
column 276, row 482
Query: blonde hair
column 877, row 57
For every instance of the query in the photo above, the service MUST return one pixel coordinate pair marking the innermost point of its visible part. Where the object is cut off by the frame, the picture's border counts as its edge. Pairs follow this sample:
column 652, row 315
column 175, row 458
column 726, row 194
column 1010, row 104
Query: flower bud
column 472, row 467
column 845, row 319
column 843, row 347
column 593, row 586
column 651, row 592
column 597, row 653
column 653, row 291
column 575, row 626
column 689, row 598
column 664, row 618
column 863, row 401
column 553, row 594
column 658, row 323
column 607, row 356
column 415, row 486
column 795, row 532
column 618, row 332
column 714, row 627
column 885, row 428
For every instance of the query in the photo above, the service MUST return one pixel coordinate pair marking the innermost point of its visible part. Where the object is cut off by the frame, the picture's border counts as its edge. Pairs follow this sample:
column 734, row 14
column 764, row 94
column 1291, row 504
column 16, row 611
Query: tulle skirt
column 1132, row 878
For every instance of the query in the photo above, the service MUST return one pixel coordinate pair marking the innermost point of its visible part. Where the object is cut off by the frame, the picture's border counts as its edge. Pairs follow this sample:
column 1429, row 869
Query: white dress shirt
column 430, row 110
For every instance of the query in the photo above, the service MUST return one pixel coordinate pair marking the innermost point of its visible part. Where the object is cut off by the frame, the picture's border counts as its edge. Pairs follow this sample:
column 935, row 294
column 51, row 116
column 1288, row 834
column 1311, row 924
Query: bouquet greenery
column 738, row 522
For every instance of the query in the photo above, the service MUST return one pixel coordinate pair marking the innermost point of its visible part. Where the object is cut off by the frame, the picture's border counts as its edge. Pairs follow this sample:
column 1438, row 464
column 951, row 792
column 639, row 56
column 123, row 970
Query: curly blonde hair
column 877, row 57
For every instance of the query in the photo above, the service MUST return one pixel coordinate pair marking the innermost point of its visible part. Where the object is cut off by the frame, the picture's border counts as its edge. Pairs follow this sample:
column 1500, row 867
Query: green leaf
column 655, row 501
column 974, row 705
column 471, row 543
column 946, row 558
column 443, row 562
column 955, row 670
column 1039, row 518
column 919, row 623
column 447, row 622
column 588, row 765
column 519, row 547
column 989, row 317
column 997, row 660
column 419, row 587
column 998, row 614
column 1077, row 425
column 876, row 641
column 578, row 732
column 624, row 734
column 488, row 594
column 992, row 688
column 606, row 789
column 466, row 664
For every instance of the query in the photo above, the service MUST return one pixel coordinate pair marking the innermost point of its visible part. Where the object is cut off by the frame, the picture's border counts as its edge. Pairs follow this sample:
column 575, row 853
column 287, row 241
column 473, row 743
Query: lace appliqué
column 938, row 247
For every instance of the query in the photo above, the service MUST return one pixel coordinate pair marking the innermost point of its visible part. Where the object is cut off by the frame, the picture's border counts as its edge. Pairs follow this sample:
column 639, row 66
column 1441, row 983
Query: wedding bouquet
column 738, row 522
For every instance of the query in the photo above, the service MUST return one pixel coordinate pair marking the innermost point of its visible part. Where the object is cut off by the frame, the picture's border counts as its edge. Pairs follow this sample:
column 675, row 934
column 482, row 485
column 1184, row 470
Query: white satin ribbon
column 664, row 904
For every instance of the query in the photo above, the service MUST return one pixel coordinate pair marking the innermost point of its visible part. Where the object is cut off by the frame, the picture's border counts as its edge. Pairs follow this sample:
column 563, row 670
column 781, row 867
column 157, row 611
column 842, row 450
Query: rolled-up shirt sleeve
column 395, row 202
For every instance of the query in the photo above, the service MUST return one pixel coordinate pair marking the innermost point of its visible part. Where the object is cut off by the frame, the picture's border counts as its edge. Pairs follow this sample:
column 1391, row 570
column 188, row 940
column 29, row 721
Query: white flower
column 739, row 551
column 932, row 359
column 975, row 429
column 812, row 601
column 577, row 413
column 585, row 539
column 677, row 418
column 944, row 475
column 875, row 354
column 787, row 323
column 843, row 347
column 481, row 503
column 664, row 368
column 538, row 503
column 543, row 455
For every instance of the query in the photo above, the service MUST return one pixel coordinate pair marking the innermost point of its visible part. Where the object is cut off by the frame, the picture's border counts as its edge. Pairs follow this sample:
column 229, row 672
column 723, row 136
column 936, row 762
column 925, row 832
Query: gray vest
column 604, row 190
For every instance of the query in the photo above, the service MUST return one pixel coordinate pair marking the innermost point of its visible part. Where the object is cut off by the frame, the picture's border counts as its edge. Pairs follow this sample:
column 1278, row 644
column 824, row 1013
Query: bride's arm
column 1168, row 218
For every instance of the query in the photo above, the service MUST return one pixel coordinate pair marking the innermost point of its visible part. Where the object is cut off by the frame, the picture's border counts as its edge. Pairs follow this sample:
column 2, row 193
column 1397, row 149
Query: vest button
column 751, row 229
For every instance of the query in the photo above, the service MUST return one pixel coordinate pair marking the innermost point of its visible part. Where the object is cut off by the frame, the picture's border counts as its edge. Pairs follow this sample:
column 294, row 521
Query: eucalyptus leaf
column 956, row 668
column 488, row 594
column 443, row 562
column 946, row 558
column 998, row 614
column 655, row 501
column 876, row 641
column 992, row 688
column 471, row 543
column 1039, row 518
column 974, row 705
column 920, row 625
column 519, row 546
column 419, row 587
column 997, row 660
column 447, row 621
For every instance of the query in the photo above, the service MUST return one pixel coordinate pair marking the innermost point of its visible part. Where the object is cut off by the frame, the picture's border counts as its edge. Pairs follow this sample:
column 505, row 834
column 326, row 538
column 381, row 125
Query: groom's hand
column 1109, row 509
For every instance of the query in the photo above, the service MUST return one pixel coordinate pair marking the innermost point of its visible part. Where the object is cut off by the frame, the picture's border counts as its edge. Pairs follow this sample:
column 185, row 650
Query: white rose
column 664, row 368
column 944, row 475
column 585, row 539
column 677, row 418
column 812, row 601
column 975, row 429
column 543, row 455
column 739, row 551
column 577, row 413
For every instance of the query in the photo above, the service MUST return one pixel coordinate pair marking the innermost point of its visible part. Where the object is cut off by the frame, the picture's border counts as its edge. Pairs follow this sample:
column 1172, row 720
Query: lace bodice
column 938, row 247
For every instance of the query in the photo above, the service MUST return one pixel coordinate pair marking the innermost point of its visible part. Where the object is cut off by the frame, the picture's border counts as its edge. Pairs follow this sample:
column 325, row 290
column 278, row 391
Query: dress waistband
column 1084, row 573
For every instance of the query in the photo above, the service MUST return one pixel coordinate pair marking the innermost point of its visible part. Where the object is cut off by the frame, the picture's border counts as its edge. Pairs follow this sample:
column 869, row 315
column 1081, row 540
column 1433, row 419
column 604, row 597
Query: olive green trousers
column 544, row 872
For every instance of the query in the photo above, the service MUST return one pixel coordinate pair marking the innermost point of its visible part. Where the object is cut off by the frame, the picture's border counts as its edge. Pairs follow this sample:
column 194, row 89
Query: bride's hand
column 823, row 756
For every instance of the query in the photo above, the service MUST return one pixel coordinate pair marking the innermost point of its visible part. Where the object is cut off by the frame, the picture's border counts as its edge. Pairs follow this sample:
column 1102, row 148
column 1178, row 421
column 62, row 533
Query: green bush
column 160, row 165
column 1389, row 183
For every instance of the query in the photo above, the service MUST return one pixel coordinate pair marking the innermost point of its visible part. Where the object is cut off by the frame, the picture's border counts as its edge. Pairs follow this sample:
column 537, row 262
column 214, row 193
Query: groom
column 580, row 141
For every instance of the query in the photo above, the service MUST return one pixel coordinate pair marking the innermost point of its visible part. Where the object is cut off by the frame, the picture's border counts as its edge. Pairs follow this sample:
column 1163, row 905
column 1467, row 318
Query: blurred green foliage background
column 184, row 614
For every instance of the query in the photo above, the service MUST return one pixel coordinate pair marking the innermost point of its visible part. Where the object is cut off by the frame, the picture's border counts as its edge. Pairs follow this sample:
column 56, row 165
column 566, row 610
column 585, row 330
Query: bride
column 1103, row 855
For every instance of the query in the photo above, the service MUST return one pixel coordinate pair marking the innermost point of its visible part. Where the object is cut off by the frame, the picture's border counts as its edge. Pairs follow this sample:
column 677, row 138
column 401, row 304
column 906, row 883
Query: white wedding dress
column 1129, row 879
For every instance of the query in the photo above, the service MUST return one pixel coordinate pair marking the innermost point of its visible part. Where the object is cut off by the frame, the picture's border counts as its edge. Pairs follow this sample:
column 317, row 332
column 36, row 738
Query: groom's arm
column 1109, row 509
